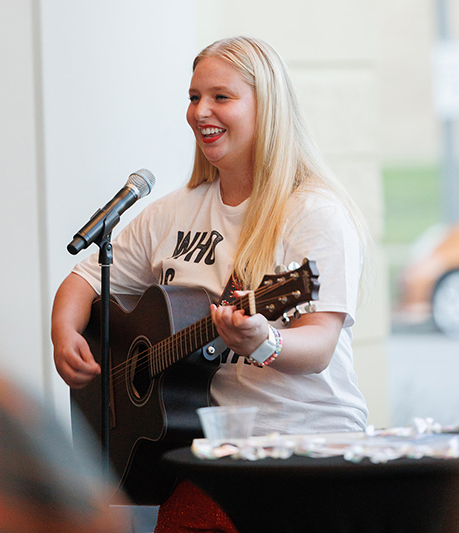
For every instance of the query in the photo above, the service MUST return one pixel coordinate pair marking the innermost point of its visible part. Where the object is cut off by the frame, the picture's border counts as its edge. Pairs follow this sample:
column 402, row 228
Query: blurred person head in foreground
column 45, row 487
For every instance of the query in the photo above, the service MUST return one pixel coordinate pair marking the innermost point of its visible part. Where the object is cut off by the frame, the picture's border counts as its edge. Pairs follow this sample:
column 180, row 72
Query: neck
column 234, row 189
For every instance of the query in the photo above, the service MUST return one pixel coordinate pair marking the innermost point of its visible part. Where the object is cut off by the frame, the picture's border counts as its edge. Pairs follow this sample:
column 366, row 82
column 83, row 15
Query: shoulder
column 319, row 208
column 321, row 228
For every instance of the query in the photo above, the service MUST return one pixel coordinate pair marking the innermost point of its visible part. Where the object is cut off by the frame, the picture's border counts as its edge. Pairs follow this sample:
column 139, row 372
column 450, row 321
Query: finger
column 74, row 369
column 74, row 378
column 85, row 352
column 222, row 315
column 82, row 360
column 226, row 316
column 213, row 312
column 240, row 320
column 239, row 294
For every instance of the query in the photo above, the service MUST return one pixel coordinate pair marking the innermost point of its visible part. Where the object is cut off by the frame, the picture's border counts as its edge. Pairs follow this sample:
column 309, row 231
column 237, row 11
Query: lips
column 211, row 134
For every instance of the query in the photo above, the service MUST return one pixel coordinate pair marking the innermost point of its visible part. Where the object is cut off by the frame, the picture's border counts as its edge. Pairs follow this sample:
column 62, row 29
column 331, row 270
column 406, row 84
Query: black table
column 308, row 495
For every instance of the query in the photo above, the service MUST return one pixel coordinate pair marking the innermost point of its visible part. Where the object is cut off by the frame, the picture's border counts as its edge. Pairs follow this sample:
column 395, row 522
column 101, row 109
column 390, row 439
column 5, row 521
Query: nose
column 202, row 109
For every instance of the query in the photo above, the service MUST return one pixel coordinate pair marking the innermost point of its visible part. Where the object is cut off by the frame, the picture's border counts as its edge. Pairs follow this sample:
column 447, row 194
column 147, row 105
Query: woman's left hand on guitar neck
column 307, row 347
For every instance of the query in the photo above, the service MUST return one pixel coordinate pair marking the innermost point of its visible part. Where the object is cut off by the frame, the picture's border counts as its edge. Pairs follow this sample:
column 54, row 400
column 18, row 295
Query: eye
column 221, row 97
column 194, row 98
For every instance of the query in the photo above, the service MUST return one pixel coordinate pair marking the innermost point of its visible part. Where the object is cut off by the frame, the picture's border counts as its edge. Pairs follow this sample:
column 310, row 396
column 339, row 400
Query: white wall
column 115, row 78
column 21, row 326
column 95, row 91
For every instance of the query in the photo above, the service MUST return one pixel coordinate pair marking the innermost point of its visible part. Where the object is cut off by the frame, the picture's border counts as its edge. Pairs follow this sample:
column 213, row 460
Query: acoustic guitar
column 164, row 353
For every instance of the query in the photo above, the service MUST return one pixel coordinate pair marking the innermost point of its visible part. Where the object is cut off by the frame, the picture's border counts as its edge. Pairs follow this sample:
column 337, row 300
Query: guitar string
column 144, row 361
column 171, row 340
column 176, row 341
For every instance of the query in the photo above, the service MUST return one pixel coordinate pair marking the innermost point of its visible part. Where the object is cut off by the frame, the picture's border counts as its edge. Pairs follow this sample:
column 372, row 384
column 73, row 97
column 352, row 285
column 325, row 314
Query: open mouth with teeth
column 211, row 134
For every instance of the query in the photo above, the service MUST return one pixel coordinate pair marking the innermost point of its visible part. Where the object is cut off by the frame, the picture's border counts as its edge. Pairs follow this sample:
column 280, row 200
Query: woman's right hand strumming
column 71, row 311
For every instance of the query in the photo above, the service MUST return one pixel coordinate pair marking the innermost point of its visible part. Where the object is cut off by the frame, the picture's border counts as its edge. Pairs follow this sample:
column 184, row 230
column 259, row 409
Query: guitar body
column 148, row 415
column 159, row 375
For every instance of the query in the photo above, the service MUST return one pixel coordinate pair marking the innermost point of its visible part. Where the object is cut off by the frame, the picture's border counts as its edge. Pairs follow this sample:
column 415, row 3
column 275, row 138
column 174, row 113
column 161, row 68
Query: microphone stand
column 105, row 261
column 138, row 185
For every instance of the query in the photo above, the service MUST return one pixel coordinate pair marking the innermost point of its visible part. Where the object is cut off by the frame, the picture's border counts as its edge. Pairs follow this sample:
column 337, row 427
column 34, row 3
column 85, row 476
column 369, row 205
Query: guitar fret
column 190, row 339
column 201, row 342
column 184, row 345
column 197, row 336
column 169, row 353
column 193, row 340
column 180, row 349
column 175, row 350
column 211, row 330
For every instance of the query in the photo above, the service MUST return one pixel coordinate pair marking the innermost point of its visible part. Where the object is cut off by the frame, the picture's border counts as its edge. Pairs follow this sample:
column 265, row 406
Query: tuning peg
column 297, row 313
column 280, row 269
column 293, row 266
column 310, row 308
column 285, row 320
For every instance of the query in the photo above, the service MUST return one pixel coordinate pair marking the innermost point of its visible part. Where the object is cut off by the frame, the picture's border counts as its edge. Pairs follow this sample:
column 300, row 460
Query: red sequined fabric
column 190, row 510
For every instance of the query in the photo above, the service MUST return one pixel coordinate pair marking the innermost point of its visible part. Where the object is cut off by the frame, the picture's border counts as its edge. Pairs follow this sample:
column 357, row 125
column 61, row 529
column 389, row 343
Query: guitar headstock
column 281, row 292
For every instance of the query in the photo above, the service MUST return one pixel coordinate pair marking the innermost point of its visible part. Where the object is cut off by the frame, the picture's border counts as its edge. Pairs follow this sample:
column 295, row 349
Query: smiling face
column 222, row 114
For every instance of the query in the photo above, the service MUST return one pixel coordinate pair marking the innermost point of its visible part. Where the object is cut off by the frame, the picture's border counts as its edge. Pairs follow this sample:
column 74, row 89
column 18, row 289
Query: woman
column 259, row 195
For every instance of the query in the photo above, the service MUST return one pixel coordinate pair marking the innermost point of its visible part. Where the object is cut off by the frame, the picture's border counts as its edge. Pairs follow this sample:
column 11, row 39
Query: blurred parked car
column 430, row 283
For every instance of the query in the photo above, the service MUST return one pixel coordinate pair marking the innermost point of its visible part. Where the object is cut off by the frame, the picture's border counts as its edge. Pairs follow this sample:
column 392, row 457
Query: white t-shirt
column 189, row 238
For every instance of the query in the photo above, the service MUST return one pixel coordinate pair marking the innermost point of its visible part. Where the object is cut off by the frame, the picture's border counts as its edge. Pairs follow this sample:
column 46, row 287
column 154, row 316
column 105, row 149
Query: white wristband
column 266, row 348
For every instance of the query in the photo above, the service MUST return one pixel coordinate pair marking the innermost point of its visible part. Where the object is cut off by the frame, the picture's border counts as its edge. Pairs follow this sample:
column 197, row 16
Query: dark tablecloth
column 303, row 494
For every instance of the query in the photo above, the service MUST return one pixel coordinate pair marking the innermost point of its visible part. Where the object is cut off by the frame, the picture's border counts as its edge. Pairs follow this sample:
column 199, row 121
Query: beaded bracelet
column 276, row 352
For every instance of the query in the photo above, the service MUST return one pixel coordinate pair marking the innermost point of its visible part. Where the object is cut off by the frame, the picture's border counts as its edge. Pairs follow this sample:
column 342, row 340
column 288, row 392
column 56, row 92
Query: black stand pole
column 109, row 221
column 98, row 230
column 105, row 261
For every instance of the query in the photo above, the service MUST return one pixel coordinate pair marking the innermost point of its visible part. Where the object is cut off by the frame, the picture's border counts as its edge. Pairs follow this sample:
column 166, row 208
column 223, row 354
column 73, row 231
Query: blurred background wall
column 92, row 91
column 331, row 48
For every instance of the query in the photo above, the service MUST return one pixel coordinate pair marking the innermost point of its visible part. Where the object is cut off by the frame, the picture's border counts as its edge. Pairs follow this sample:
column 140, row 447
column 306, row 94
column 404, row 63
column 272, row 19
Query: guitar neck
column 187, row 341
column 182, row 344
column 275, row 295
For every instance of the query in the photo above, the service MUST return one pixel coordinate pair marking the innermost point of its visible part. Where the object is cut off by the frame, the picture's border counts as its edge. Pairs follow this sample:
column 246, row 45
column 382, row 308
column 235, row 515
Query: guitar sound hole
column 139, row 382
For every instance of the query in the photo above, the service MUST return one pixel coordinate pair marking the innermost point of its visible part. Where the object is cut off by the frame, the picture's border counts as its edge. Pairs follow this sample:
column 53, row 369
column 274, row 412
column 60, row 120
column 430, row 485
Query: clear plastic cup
column 226, row 423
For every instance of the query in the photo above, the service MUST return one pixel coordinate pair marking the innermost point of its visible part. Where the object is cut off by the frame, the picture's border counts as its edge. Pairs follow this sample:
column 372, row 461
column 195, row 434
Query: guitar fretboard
column 275, row 295
column 185, row 342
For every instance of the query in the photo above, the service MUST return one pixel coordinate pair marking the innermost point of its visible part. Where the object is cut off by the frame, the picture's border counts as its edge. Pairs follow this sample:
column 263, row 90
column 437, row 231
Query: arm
column 71, row 311
column 308, row 345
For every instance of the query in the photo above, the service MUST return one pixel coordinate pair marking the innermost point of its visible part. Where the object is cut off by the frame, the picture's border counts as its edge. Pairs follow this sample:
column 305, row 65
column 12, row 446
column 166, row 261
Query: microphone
column 138, row 185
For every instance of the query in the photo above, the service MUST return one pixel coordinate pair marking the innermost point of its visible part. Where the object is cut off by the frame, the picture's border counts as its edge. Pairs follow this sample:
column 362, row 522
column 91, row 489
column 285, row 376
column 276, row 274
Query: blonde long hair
column 285, row 157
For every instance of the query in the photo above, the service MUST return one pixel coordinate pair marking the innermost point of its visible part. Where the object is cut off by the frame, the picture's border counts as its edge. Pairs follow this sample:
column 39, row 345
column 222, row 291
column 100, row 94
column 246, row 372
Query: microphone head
column 142, row 182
